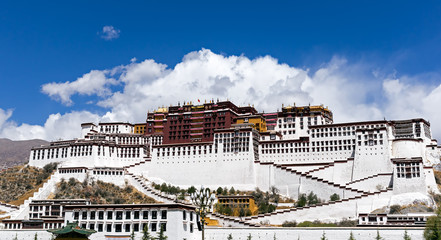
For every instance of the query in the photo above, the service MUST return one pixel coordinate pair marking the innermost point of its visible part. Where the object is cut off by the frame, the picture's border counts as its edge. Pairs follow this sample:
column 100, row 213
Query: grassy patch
column 19, row 183
column 99, row 192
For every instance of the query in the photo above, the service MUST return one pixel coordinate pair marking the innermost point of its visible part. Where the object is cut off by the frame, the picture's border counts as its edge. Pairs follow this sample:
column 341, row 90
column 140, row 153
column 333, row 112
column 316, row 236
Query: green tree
column 230, row 237
column 395, row 209
column 132, row 235
column 274, row 237
column 433, row 227
column 232, row 191
column 249, row 237
column 241, row 212
column 312, row 198
column 323, row 236
column 15, row 238
column 335, row 197
column 145, row 233
column 225, row 191
column 351, row 236
column 35, row 236
column 301, row 201
column 378, row 237
column 161, row 235
column 219, row 191
column 228, row 211
column 406, row 236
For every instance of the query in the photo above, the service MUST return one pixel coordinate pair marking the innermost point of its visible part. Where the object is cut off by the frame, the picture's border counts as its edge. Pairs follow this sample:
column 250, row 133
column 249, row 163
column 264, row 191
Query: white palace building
column 370, row 165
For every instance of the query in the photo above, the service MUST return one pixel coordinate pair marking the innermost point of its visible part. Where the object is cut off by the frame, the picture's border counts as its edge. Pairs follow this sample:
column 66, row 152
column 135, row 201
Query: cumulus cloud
column 57, row 126
column 93, row 83
column 109, row 33
column 353, row 91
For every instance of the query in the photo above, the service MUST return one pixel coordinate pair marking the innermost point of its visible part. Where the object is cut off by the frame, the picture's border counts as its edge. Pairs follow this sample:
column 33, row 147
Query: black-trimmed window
column 163, row 226
column 118, row 227
column 100, row 215
column 119, row 215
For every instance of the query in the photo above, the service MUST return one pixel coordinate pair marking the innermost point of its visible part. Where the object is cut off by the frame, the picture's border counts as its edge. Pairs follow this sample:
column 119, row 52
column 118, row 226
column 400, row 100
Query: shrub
column 312, row 198
column 335, row 197
column 395, row 209
column 289, row 224
column 301, row 202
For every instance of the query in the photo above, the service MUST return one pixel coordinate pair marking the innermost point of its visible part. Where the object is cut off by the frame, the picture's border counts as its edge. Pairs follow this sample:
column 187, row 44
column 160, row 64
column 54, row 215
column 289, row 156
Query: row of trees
column 312, row 199
column 226, row 210
column 146, row 235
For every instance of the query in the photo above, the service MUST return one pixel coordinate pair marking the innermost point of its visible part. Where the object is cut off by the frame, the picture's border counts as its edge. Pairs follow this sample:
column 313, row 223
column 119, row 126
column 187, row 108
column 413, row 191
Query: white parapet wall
column 262, row 233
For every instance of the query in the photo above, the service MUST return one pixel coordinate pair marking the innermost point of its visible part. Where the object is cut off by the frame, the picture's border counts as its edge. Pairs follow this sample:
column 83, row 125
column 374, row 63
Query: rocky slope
column 13, row 153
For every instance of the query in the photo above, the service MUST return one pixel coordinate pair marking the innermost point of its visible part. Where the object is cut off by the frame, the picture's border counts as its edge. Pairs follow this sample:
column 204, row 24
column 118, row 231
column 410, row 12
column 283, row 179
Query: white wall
column 263, row 233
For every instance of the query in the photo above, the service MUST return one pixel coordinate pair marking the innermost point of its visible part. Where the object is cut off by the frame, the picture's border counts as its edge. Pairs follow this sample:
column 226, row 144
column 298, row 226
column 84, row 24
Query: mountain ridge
column 13, row 153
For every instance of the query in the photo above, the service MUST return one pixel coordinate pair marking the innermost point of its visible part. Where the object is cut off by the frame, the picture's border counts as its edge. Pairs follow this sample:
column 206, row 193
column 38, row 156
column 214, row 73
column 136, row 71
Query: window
column 145, row 214
column 108, row 227
column 118, row 227
column 184, row 215
column 76, row 215
column 136, row 215
column 92, row 226
column 84, row 215
column 154, row 214
column 119, row 215
column 153, row 227
column 164, row 214
column 128, row 215
column 164, row 227
column 100, row 215
column 100, row 227
column 92, row 215
column 136, row 227
column 109, row 215
column 191, row 227
column 127, row 227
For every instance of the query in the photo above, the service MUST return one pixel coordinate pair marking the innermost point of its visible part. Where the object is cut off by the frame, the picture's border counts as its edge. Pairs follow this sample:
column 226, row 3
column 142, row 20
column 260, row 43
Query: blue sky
column 377, row 47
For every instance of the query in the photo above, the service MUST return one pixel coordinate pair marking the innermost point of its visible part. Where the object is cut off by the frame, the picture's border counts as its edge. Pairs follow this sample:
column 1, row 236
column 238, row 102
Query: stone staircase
column 42, row 193
column 324, row 181
column 137, row 164
column 346, row 205
column 143, row 186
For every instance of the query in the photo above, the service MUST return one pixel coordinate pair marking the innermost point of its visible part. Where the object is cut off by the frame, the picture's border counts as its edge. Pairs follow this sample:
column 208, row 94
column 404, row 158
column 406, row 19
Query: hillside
column 13, row 153
column 18, row 183
column 99, row 192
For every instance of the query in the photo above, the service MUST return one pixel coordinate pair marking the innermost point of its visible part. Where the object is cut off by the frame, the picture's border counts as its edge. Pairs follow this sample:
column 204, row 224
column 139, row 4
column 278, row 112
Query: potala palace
column 299, row 149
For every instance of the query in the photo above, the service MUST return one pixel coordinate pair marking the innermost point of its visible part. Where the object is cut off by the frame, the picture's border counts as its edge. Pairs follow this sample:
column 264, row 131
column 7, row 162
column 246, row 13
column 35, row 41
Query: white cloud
column 93, row 83
column 4, row 116
column 57, row 126
column 109, row 33
column 353, row 91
